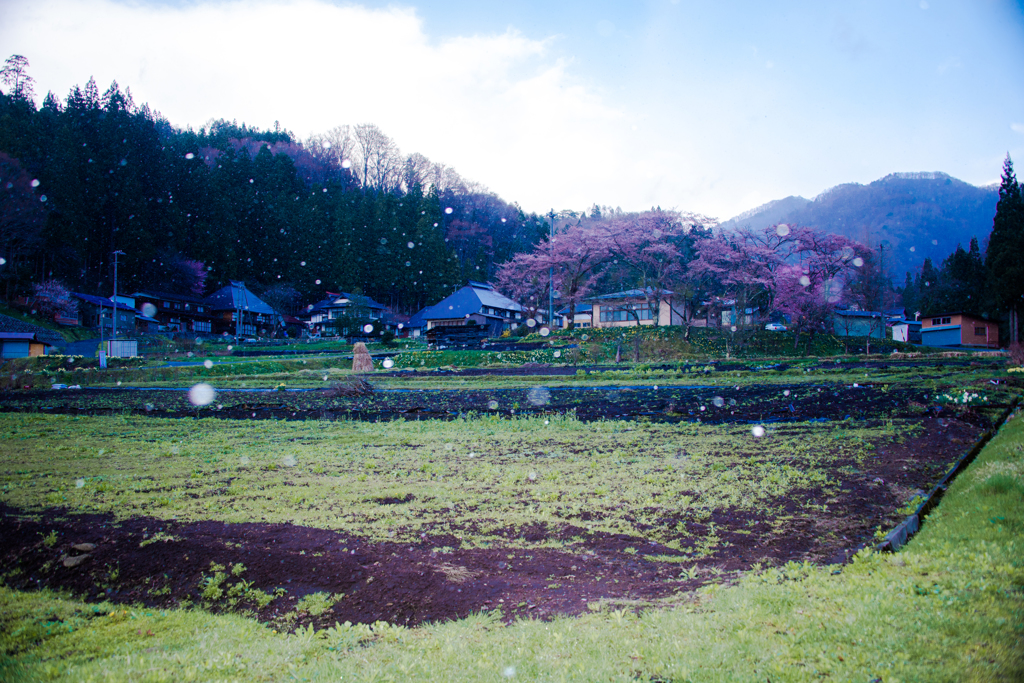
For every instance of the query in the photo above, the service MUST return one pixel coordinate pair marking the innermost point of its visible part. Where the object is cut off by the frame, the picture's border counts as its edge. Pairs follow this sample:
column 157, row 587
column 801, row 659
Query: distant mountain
column 916, row 214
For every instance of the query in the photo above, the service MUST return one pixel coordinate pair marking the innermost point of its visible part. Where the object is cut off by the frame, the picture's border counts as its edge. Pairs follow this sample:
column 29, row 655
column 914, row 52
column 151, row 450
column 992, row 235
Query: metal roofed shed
column 23, row 345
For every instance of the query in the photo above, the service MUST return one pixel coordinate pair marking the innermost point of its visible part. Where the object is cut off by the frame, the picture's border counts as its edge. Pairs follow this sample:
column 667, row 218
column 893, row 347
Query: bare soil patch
column 164, row 563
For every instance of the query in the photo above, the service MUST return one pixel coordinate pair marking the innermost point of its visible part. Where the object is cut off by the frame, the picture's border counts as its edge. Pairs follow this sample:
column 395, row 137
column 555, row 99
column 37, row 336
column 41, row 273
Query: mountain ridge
column 914, row 214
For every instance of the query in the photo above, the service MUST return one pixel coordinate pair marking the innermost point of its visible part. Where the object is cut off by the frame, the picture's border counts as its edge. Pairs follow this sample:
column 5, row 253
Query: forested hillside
column 96, row 173
column 916, row 215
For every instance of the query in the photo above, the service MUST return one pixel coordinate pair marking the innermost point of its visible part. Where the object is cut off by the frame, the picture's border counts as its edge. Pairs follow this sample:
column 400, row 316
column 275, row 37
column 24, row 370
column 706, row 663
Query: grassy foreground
column 949, row 607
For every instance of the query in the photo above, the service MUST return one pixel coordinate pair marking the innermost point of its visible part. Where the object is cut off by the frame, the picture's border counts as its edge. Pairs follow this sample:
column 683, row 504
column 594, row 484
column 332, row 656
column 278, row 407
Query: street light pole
column 113, row 313
column 551, row 273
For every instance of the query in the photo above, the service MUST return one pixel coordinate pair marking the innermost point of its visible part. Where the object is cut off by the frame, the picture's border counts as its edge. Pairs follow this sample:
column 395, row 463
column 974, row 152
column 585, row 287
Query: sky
column 711, row 107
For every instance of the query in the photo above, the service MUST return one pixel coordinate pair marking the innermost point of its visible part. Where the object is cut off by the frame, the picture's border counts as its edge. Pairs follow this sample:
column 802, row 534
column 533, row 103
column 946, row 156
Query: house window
column 611, row 315
column 946, row 321
column 166, row 304
column 980, row 331
column 199, row 309
column 201, row 325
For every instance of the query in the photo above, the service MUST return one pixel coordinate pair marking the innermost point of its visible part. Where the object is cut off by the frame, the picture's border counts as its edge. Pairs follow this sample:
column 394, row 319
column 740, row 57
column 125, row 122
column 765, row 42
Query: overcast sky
column 713, row 107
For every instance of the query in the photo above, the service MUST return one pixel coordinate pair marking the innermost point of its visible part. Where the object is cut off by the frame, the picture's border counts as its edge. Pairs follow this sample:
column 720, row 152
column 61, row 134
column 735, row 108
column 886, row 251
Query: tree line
column 990, row 282
column 92, row 174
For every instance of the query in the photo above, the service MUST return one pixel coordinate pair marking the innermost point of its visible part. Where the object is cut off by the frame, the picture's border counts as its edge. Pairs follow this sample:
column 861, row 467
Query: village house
column 172, row 312
column 96, row 311
column 626, row 308
column 476, row 302
column 322, row 317
column 237, row 311
column 959, row 329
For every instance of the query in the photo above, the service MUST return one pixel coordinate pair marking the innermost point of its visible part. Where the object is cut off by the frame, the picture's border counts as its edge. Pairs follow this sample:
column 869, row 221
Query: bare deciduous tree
column 377, row 159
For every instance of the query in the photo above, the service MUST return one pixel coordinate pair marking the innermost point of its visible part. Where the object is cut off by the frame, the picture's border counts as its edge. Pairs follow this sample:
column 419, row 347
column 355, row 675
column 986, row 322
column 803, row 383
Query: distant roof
column 27, row 336
column 146, row 318
column 157, row 294
column 9, row 324
column 626, row 294
column 236, row 296
column 100, row 301
column 418, row 318
column 342, row 299
column 859, row 314
column 468, row 300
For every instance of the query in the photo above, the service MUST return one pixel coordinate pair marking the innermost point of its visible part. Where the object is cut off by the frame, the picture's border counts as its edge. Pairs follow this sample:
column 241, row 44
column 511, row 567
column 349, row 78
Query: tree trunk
column 636, row 346
column 618, row 353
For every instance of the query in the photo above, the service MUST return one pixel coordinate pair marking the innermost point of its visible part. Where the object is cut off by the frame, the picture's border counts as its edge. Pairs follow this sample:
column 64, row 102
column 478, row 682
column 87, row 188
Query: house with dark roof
column 172, row 312
column 238, row 311
column 631, row 307
column 959, row 329
column 97, row 311
column 476, row 302
column 322, row 316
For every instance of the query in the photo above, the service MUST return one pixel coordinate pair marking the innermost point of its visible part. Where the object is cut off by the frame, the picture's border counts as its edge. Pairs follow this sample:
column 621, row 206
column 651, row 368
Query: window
column 201, row 325
column 980, row 331
column 610, row 315
column 936, row 321
column 199, row 309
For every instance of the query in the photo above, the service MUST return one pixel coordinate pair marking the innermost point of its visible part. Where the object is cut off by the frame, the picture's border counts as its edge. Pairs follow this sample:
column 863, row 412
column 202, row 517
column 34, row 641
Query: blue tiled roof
column 234, row 297
column 467, row 301
column 329, row 302
column 100, row 301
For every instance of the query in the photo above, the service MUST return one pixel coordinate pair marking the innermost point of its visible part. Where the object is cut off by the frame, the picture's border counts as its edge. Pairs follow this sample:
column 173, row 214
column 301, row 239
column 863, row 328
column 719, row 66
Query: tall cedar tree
column 1005, row 258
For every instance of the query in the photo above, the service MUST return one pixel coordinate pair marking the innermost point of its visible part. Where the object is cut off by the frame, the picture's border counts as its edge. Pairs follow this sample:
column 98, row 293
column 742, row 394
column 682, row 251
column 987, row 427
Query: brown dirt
column 412, row 584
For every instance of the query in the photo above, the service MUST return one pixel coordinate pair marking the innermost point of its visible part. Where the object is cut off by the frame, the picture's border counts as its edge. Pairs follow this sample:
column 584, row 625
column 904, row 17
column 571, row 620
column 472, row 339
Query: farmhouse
column 478, row 302
column 96, row 311
column 173, row 312
column 238, row 311
column 323, row 316
column 959, row 329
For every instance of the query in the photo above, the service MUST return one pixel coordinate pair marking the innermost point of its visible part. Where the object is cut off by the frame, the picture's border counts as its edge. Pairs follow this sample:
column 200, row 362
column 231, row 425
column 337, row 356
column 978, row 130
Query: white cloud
column 497, row 107
column 1017, row 127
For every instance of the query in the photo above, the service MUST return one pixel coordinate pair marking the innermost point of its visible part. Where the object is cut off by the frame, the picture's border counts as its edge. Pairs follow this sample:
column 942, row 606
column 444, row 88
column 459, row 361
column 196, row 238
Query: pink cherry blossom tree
column 652, row 247
column 573, row 257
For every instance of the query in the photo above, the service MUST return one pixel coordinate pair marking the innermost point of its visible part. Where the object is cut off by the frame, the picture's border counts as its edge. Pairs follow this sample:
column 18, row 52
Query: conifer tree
column 1004, row 263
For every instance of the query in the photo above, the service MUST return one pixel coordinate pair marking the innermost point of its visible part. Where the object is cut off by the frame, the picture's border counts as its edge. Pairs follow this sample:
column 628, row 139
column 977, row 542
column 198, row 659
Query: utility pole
column 551, row 273
column 113, row 313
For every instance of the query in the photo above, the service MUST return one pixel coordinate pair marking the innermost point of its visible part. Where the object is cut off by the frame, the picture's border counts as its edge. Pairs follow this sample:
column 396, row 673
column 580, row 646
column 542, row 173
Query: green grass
column 949, row 607
column 480, row 479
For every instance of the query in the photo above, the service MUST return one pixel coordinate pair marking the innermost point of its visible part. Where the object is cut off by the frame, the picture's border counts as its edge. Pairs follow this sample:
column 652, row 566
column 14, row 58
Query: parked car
column 775, row 327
